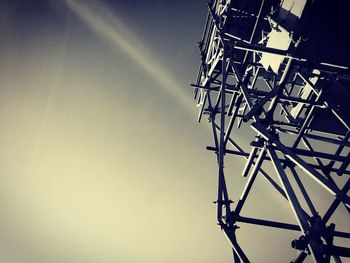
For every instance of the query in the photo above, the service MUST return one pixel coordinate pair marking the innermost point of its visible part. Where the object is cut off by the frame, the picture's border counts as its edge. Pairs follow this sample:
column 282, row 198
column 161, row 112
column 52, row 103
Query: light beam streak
column 108, row 26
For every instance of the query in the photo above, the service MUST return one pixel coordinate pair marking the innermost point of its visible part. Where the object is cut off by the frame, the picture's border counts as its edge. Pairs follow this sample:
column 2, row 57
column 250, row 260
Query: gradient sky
column 101, row 157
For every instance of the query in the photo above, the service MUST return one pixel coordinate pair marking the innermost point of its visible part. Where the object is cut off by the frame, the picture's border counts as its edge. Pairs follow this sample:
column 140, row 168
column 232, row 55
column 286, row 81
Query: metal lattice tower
column 281, row 70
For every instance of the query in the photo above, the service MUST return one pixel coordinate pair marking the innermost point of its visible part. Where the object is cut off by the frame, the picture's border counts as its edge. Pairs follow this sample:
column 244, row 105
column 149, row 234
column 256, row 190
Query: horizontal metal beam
column 269, row 223
column 333, row 189
column 246, row 154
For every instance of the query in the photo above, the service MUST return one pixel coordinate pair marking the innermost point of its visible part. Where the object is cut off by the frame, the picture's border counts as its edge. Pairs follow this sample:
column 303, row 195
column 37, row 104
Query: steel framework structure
column 266, row 65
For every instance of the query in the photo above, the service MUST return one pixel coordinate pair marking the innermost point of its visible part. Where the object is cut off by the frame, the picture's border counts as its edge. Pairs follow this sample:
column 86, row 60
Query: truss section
column 269, row 74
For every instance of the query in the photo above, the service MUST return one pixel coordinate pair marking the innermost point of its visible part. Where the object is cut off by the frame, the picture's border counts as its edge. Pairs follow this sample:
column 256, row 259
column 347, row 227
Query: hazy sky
column 101, row 157
column 99, row 161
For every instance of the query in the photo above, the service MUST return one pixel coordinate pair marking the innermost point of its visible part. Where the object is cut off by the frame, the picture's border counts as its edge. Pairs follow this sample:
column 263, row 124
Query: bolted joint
column 223, row 202
column 317, row 225
column 289, row 163
column 200, row 45
column 258, row 142
column 228, row 224
column 300, row 244
column 256, row 110
column 231, row 218
column 212, row 114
